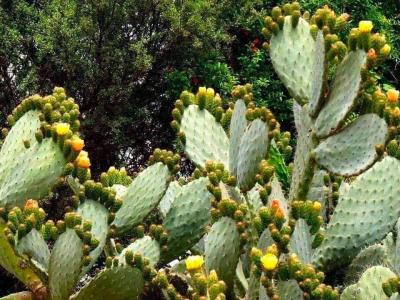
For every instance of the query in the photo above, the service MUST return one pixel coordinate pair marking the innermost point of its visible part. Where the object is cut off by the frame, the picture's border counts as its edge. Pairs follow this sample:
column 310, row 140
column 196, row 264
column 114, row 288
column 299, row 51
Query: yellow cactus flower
column 317, row 206
column 365, row 26
column 62, row 129
column 194, row 262
column 77, row 144
column 269, row 261
column 82, row 161
column 385, row 50
column 392, row 95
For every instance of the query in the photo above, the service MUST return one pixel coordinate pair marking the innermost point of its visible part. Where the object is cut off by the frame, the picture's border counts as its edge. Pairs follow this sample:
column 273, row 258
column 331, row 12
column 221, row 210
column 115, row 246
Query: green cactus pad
column 119, row 189
column 393, row 249
column 34, row 246
column 222, row 249
column 364, row 214
column 142, row 196
column 206, row 140
column 353, row 150
column 96, row 213
column 237, row 128
column 304, row 147
column 301, row 241
column 277, row 194
column 188, row 217
column 65, row 265
column 146, row 246
column 290, row 290
column 370, row 284
column 292, row 54
column 317, row 74
column 350, row 292
column 319, row 192
column 344, row 91
column 15, row 264
column 253, row 198
column 253, row 148
column 373, row 255
column 119, row 283
column 168, row 199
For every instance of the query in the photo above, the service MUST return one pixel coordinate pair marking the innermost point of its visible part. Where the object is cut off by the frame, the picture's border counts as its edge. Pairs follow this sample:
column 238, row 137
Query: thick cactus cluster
column 250, row 222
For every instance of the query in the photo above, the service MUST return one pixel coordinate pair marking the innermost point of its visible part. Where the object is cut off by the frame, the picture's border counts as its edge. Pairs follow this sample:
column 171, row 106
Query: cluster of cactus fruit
column 243, row 225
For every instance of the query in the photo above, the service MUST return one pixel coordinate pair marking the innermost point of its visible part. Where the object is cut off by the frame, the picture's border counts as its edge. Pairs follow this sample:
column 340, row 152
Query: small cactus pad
column 253, row 148
column 222, row 249
column 34, row 246
column 344, row 91
column 237, row 128
column 350, row 292
column 317, row 74
column 364, row 214
column 119, row 283
column 370, row 284
column 98, row 215
column 277, row 194
column 188, row 217
column 319, row 191
column 206, row 140
column 142, row 196
column 353, row 150
column 65, row 264
column 301, row 241
column 373, row 255
column 292, row 54
column 169, row 197
column 254, row 198
column 146, row 246
column 290, row 290
column 304, row 147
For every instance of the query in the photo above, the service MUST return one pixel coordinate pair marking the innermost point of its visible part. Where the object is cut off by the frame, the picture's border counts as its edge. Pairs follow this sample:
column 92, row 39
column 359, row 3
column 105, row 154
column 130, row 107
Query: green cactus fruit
column 146, row 246
column 121, row 282
column 169, row 197
column 373, row 193
column 187, row 218
column 237, row 129
column 292, row 52
column 142, row 196
column 344, row 91
column 206, row 140
column 304, row 126
column 65, row 265
column 352, row 150
column 34, row 246
column 222, row 250
column 317, row 75
column 253, row 148
column 98, row 215
column 300, row 242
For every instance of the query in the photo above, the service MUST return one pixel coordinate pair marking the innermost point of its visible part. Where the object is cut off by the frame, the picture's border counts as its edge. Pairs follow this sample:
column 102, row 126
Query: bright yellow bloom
column 365, row 26
column 317, row 206
column 194, row 262
column 82, row 161
column 385, row 50
column 269, row 261
column 62, row 129
column 392, row 95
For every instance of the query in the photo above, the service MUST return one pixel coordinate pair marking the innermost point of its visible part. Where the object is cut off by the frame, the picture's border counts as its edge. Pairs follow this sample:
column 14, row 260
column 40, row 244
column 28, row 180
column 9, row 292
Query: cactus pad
column 142, row 196
column 222, row 249
column 344, row 91
column 254, row 199
column 301, row 240
column 146, row 246
column 96, row 213
column 205, row 138
column 237, row 128
column 304, row 146
column 353, row 150
column 34, row 246
column 370, row 284
column 317, row 74
column 319, row 192
column 65, row 265
column 188, row 217
column 277, row 194
column 168, row 199
column 290, row 290
column 253, row 148
column 374, row 194
column 121, row 283
column 292, row 54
